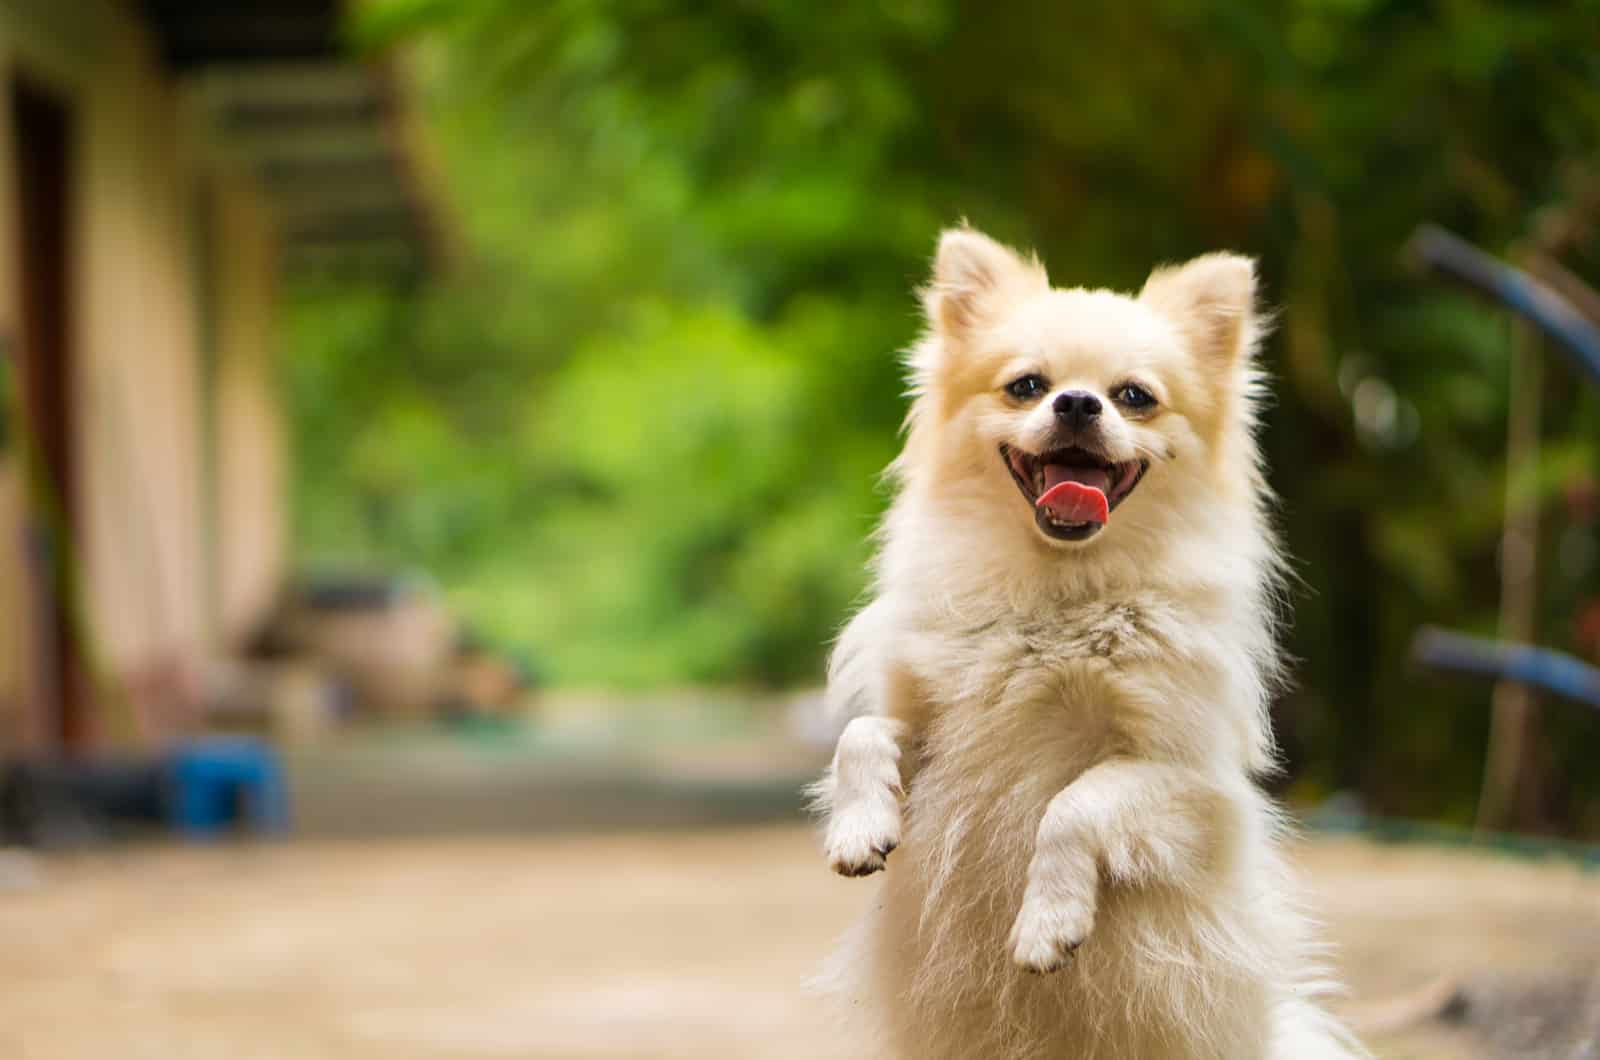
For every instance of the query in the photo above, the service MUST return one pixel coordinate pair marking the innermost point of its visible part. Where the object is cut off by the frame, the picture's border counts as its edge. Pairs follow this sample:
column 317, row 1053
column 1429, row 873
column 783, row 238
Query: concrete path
column 688, row 944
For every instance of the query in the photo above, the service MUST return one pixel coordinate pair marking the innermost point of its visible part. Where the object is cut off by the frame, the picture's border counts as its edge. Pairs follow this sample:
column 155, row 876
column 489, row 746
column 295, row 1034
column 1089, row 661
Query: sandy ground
column 677, row 945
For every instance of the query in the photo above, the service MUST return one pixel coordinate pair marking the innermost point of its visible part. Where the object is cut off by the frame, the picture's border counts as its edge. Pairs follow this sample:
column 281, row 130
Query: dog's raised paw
column 864, row 792
column 1047, row 933
column 860, row 838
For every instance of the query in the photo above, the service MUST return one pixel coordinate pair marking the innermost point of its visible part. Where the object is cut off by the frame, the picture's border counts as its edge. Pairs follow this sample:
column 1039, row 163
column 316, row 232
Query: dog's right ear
column 971, row 276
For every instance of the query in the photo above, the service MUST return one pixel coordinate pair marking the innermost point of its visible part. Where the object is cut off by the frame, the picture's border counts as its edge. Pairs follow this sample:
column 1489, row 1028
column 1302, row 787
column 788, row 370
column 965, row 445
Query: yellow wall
column 137, row 330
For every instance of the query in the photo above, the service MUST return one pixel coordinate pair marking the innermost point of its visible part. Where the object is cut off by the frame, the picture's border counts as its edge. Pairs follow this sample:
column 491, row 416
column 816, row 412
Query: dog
column 1058, row 692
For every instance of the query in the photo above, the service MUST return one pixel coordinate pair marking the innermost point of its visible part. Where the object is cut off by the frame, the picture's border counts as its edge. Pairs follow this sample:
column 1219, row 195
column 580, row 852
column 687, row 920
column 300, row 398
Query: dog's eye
column 1133, row 396
column 1027, row 387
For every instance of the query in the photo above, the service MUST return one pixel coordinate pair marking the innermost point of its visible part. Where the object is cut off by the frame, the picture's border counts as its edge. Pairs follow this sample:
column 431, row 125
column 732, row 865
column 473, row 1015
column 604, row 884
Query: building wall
column 13, row 723
column 151, row 609
column 251, row 472
column 12, row 601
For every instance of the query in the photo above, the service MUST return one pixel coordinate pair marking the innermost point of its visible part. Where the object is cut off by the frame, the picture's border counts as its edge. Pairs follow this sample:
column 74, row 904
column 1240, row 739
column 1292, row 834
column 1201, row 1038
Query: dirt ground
column 675, row 945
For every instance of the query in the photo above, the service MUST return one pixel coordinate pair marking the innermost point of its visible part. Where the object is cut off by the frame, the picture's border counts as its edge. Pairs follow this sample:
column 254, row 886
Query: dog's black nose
column 1076, row 408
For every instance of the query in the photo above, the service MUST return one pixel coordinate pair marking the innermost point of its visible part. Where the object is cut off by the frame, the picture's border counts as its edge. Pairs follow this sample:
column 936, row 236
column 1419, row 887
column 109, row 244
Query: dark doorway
column 42, row 129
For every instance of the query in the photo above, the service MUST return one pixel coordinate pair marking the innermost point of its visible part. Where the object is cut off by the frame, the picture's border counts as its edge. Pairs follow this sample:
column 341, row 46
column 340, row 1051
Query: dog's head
column 1074, row 412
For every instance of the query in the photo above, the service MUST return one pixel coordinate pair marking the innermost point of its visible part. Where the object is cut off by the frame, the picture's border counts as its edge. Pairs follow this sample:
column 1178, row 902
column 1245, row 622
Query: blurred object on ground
column 1520, row 940
column 293, row 700
column 483, row 681
column 686, row 946
column 197, row 788
column 389, row 637
column 210, row 786
column 370, row 646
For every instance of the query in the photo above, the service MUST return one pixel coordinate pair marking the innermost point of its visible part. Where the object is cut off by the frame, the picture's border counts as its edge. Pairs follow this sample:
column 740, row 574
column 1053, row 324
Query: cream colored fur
column 1053, row 743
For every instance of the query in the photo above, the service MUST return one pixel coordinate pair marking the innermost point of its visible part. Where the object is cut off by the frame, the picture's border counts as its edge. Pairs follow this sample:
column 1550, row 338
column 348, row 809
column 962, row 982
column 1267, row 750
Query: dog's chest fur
column 1040, row 685
column 1017, row 708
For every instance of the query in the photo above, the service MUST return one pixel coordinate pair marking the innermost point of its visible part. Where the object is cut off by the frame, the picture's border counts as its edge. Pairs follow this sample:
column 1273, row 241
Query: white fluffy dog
column 1060, row 688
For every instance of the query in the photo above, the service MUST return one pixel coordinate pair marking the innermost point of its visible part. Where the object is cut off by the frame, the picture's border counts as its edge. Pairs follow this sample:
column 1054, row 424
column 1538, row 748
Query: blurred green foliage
column 637, row 426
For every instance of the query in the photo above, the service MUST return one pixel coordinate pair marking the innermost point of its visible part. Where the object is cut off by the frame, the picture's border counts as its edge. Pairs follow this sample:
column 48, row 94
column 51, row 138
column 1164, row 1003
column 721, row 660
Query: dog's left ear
column 1212, row 301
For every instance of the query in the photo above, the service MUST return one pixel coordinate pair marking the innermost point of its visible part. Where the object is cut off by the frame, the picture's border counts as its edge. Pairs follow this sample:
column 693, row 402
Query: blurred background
column 442, row 437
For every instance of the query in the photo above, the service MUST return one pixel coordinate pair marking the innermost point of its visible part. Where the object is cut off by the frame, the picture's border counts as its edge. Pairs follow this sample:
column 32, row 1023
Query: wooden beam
column 318, row 197
column 353, row 226
column 196, row 34
column 282, row 176
column 246, row 116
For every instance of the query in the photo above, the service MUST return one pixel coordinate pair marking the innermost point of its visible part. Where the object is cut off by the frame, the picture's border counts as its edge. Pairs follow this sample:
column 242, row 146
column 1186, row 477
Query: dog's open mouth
column 1072, row 490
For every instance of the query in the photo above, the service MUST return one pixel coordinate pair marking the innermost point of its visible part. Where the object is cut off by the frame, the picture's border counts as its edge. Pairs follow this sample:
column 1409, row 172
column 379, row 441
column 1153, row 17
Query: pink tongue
column 1075, row 495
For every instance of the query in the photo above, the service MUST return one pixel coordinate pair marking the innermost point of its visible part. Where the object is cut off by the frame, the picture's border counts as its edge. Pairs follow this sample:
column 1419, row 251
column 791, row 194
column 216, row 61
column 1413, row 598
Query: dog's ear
column 971, row 275
column 1212, row 301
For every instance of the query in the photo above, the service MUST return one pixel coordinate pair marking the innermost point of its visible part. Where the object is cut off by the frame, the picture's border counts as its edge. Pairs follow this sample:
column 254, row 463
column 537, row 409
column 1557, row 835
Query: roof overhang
column 276, row 93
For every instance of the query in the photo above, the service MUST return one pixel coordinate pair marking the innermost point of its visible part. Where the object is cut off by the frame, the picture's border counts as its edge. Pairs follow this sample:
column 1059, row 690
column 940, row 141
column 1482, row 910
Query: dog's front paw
column 862, row 834
column 1049, row 929
column 863, row 791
